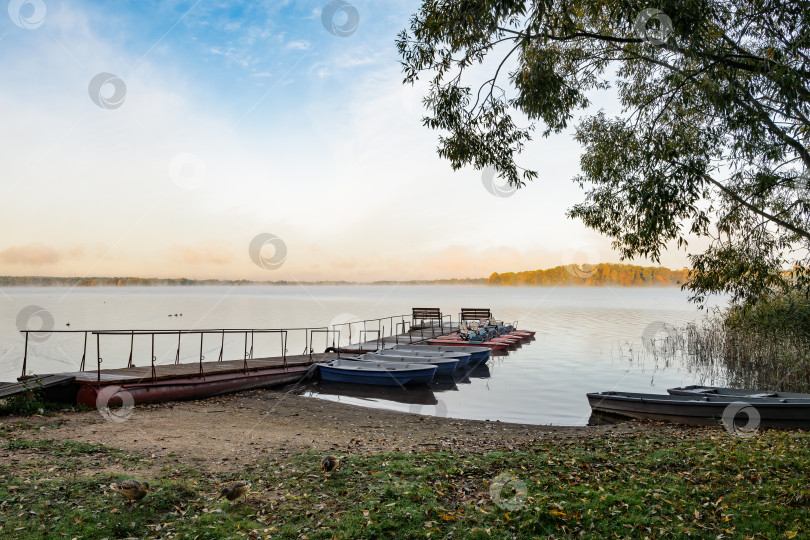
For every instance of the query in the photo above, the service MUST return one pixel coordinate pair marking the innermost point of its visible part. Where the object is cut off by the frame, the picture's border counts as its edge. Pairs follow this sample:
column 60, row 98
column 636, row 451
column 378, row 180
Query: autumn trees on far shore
column 621, row 275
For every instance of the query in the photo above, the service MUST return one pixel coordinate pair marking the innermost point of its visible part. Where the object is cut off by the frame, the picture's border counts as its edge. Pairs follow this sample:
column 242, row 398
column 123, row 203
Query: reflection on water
column 588, row 339
column 419, row 395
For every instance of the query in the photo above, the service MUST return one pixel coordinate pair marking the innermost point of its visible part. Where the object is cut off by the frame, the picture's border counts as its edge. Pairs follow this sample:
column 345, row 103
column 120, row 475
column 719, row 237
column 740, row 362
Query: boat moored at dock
column 377, row 373
column 462, row 358
column 477, row 353
column 450, row 341
column 444, row 366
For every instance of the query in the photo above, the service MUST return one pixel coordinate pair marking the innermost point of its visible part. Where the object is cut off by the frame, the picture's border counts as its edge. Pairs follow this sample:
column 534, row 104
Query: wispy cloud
column 322, row 123
column 298, row 45
column 233, row 54
column 31, row 255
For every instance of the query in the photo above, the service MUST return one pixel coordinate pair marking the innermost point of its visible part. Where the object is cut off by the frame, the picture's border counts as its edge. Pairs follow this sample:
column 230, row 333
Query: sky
column 253, row 140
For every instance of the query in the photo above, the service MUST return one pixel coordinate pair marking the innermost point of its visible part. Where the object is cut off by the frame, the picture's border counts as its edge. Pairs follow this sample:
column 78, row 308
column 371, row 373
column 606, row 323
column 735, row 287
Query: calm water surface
column 585, row 338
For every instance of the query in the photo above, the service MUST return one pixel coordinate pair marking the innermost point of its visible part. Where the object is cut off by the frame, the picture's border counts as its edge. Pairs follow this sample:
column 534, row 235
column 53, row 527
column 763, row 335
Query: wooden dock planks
column 38, row 382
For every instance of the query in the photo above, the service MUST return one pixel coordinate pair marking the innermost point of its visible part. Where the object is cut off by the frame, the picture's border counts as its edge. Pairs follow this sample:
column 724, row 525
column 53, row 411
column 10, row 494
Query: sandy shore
column 226, row 432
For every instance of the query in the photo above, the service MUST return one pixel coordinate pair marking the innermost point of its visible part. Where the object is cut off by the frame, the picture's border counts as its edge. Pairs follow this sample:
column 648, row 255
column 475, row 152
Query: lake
column 588, row 339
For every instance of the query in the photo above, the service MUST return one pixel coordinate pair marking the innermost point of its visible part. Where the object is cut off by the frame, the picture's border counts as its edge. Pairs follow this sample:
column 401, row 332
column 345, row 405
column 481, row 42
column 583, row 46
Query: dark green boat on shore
column 765, row 412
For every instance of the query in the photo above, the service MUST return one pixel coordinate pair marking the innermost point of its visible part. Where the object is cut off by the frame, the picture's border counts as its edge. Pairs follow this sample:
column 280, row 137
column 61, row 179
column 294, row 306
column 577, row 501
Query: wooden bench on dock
column 475, row 314
column 426, row 314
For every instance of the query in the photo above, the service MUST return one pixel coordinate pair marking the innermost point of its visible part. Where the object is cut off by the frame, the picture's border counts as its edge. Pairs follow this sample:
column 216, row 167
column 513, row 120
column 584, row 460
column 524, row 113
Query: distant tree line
column 10, row 281
column 601, row 274
column 622, row 275
column 21, row 281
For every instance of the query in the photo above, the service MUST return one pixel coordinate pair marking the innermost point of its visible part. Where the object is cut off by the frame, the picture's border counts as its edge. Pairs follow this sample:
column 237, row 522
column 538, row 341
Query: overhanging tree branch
column 755, row 209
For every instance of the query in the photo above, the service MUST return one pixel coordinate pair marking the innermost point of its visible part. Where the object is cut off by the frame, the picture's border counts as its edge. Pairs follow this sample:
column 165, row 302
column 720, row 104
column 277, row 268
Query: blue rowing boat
column 378, row 373
column 445, row 367
column 477, row 354
column 462, row 358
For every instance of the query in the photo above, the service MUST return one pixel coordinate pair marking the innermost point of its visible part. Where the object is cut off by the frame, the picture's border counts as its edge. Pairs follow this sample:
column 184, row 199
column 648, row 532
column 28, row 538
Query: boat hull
column 489, row 344
column 376, row 373
column 697, row 390
column 773, row 413
column 190, row 387
column 477, row 354
column 445, row 367
column 462, row 360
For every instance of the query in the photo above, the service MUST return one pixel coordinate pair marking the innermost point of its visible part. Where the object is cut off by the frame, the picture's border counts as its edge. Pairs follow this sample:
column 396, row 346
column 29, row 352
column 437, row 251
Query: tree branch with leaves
column 713, row 136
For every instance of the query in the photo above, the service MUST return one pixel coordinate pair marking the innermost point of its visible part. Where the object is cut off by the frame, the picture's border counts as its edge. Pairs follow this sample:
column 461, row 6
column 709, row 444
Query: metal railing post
column 201, row 353
column 154, row 373
column 98, row 359
column 284, row 346
column 245, row 364
column 25, row 355
column 131, row 347
column 84, row 353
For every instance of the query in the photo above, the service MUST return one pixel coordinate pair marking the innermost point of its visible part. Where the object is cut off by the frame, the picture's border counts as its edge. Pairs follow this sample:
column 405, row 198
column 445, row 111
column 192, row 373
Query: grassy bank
column 694, row 482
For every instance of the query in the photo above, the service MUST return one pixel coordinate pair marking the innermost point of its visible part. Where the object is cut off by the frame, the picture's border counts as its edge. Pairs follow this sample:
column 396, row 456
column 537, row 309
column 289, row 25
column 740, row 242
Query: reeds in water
column 745, row 357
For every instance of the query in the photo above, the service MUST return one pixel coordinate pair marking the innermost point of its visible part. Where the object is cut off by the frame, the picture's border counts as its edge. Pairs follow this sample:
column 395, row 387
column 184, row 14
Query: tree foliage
column 603, row 274
column 711, row 141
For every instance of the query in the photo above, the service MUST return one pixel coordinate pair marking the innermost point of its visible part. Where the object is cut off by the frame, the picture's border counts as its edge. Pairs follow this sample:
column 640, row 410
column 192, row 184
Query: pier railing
column 398, row 327
column 248, row 353
column 375, row 327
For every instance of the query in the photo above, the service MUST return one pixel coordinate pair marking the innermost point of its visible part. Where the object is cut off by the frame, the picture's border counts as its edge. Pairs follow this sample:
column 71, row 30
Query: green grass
column 27, row 405
column 695, row 484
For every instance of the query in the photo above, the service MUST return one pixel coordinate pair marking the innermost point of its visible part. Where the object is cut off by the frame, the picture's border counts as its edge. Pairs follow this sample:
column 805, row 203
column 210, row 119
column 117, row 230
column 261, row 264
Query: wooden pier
column 153, row 382
column 193, row 380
